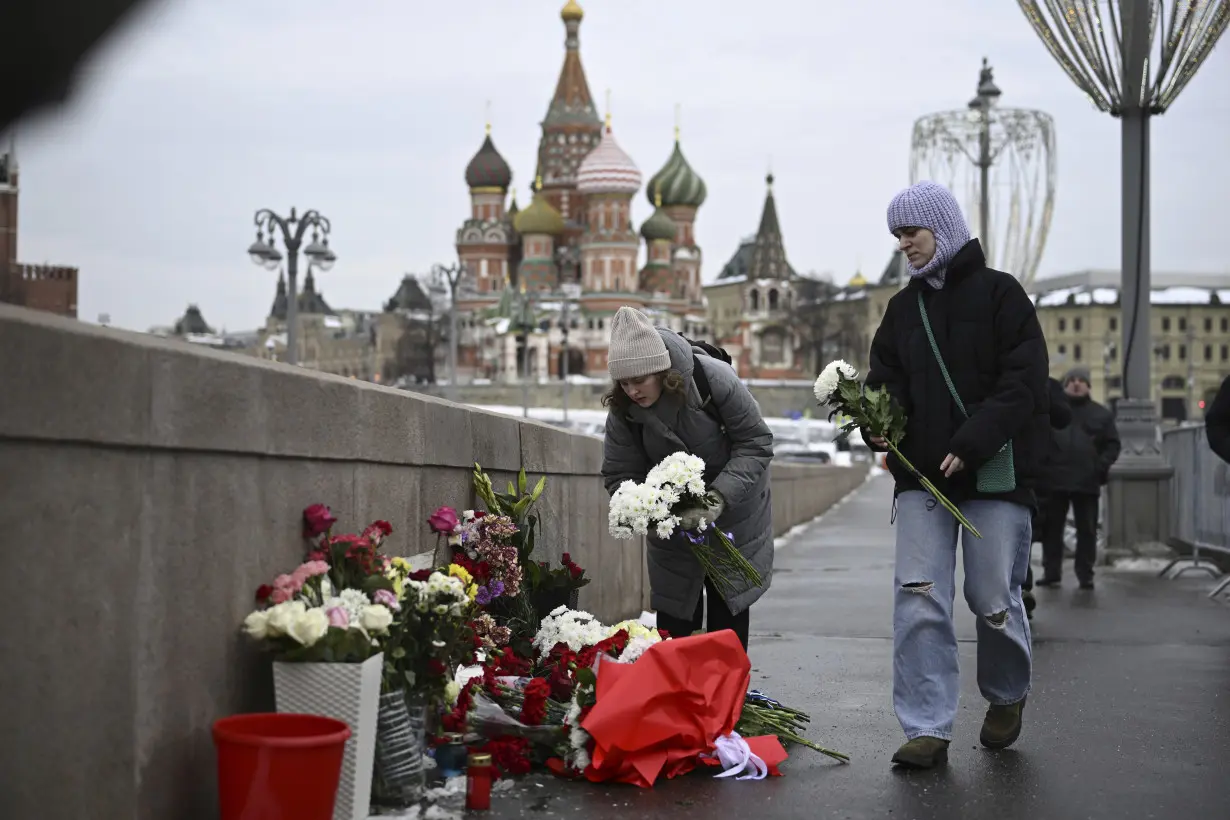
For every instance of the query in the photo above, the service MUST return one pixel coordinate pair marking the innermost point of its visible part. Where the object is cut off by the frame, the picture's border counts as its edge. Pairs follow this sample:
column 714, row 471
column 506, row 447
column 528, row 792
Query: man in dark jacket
column 961, row 350
column 1061, row 417
column 1217, row 422
column 1081, row 462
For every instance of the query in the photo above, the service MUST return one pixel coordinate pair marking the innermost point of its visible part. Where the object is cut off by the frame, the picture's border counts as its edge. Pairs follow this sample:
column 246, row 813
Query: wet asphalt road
column 1129, row 715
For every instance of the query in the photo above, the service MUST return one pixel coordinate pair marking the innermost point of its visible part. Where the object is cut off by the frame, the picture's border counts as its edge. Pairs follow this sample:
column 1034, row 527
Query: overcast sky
column 202, row 111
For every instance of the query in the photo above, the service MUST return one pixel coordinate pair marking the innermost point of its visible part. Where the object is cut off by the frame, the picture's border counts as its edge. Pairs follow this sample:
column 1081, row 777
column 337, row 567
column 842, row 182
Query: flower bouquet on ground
column 653, row 506
column 577, row 702
column 876, row 413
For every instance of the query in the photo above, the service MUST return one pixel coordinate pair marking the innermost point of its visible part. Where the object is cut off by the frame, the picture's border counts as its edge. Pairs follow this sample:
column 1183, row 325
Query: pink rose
column 443, row 521
column 338, row 617
column 317, row 520
column 384, row 596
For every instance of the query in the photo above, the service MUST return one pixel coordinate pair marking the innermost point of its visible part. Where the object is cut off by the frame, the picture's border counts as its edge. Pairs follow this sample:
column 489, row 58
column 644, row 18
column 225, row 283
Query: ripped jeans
column 925, row 673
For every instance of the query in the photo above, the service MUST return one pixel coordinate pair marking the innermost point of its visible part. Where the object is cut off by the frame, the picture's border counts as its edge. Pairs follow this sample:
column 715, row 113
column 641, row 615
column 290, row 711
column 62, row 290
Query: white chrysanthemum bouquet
column 652, row 507
column 876, row 413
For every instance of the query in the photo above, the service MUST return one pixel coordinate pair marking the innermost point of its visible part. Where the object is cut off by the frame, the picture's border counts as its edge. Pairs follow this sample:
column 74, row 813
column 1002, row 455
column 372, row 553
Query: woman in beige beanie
column 668, row 396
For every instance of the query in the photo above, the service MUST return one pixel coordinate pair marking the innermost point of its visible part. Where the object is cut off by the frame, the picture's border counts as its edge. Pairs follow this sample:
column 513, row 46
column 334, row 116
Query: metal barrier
column 1199, row 501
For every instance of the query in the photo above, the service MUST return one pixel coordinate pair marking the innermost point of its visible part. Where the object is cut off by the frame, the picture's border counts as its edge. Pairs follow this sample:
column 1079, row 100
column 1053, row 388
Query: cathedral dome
column 680, row 185
column 539, row 218
column 571, row 11
column 659, row 225
column 488, row 169
column 607, row 169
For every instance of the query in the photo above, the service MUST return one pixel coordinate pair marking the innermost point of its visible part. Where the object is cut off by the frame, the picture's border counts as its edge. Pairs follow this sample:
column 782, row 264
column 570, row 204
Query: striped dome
column 680, row 185
column 607, row 169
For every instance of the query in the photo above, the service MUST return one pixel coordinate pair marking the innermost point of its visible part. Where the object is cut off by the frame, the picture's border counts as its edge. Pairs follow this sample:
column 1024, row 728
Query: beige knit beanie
column 636, row 348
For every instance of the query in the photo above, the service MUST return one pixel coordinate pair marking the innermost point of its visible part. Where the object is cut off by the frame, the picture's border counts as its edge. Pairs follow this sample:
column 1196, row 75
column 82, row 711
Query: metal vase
column 400, row 744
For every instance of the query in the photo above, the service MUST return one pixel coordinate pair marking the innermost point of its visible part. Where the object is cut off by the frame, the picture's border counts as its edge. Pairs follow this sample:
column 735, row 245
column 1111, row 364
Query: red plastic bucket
column 279, row 766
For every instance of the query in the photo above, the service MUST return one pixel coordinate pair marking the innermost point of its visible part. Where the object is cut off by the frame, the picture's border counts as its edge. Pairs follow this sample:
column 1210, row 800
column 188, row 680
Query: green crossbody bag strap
column 935, row 348
column 998, row 475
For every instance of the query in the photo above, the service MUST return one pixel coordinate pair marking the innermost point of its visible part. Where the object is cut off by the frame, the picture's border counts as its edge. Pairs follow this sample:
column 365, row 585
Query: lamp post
column 264, row 253
column 525, row 324
column 453, row 275
column 566, row 258
column 988, row 95
column 1132, row 59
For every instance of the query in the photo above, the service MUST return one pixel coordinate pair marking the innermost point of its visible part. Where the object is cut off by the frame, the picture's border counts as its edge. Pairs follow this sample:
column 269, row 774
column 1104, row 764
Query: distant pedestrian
column 1217, row 422
column 1061, row 417
column 962, row 352
column 1080, row 466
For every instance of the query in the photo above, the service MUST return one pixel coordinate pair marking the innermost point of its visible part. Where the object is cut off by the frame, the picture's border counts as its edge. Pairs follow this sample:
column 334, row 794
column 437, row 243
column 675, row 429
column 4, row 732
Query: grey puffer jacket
column 736, row 465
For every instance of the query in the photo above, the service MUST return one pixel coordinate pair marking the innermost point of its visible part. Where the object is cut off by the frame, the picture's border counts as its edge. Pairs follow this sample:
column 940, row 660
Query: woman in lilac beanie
column 961, row 350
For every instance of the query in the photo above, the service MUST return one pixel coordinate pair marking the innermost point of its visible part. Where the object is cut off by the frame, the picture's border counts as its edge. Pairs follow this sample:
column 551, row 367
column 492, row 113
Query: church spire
column 769, row 254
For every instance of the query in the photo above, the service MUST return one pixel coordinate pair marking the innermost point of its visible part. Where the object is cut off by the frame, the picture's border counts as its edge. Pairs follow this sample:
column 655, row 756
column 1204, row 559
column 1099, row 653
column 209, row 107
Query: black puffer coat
column 1217, row 422
column 988, row 332
column 1085, row 450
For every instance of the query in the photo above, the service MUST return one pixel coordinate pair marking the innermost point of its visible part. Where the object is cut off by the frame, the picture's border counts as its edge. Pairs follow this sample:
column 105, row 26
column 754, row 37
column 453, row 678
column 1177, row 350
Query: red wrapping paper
column 659, row 715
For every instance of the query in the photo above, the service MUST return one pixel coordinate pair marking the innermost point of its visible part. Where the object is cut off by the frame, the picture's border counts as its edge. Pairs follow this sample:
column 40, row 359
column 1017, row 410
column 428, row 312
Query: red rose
column 420, row 575
column 443, row 521
column 566, row 559
column 479, row 513
column 317, row 520
column 436, row 667
column 263, row 592
column 377, row 531
column 576, row 571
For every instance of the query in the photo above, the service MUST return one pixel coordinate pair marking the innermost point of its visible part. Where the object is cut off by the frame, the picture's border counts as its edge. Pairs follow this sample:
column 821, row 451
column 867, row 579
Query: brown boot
column 923, row 752
column 1002, row 725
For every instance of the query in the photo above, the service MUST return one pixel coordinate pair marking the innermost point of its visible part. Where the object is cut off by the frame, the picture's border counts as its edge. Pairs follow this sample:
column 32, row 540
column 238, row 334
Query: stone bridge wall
column 149, row 486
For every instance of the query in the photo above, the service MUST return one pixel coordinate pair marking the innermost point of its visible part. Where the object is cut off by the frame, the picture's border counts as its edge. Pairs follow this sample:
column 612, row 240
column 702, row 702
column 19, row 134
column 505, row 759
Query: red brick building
column 42, row 287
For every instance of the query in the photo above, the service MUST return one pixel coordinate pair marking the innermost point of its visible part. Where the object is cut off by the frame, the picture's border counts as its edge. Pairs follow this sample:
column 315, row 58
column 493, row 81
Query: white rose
column 257, row 625
column 309, row 627
column 376, row 618
column 283, row 615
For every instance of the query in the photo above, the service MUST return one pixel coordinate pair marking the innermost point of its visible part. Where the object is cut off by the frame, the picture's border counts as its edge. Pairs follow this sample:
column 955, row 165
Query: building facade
column 51, row 288
column 543, row 282
column 1081, row 315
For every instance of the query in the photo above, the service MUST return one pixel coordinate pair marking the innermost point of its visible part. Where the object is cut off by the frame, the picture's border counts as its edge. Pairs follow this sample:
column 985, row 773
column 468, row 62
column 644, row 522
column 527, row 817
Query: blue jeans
column 925, row 672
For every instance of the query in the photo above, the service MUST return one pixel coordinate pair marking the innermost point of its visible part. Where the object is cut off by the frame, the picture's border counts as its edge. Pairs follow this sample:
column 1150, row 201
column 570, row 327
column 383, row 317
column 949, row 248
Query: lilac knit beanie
column 931, row 206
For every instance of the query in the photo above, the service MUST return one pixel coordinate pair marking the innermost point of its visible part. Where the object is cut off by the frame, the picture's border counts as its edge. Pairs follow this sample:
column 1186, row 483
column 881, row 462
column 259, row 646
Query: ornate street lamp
column 1001, row 161
column 264, row 253
column 567, row 257
column 453, row 275
column 1132, row 58
column 525, row 322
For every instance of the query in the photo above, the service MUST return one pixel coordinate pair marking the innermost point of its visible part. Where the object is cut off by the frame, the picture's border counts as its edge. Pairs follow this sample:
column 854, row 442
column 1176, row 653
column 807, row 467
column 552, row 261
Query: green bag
column 998, row 475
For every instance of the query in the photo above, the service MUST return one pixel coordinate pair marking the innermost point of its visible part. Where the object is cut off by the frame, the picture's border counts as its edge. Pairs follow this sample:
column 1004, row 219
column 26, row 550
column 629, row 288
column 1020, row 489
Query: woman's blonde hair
column 616, row 398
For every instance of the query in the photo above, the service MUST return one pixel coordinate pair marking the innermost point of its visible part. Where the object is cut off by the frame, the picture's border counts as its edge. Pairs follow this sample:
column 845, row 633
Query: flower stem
column 931, row 488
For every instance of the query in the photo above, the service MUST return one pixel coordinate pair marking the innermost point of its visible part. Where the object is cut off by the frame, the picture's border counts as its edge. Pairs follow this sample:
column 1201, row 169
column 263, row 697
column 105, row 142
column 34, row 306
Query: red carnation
column 263, row 592
column 534, row 705
column 317, row 520
column 443, row 521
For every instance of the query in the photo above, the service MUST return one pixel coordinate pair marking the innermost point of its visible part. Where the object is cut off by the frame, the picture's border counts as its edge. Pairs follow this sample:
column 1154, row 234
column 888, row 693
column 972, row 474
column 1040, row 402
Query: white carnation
column 830, row 378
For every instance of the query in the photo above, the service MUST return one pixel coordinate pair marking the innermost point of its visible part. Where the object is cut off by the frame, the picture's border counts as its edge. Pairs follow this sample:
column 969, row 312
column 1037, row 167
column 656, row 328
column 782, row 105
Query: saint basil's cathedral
column 568, row 260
